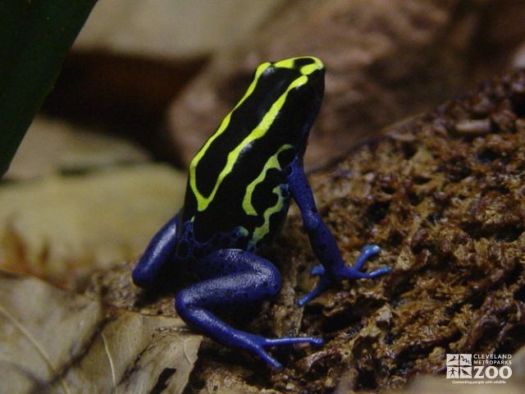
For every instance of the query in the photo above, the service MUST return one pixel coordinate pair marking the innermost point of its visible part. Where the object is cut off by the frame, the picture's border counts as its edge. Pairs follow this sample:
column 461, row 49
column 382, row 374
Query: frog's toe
column 379, row 272
column 321, row 286
column 317, row 270
column 351, row 273
column 272, row 362
column 293, row 340
column 355, row 272
column 367, row 252
column 261, row 343
column 309, row 296
column 371, row 249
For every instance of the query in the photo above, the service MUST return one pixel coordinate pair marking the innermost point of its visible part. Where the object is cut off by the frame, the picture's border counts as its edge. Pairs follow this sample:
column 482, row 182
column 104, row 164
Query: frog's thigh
column 246, row 279
column 233, row 276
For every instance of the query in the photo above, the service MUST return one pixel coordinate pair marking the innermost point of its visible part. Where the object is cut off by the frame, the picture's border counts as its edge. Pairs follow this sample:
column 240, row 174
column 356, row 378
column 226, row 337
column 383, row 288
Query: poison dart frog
column 239, row 188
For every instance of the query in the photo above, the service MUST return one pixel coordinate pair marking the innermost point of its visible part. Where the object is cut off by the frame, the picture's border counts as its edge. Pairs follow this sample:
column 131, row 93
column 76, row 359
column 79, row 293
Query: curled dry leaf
column 50, row 339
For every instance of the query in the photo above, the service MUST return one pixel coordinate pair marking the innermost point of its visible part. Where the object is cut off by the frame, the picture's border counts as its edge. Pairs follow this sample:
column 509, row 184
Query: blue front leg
column 234, row 277
column 323, row 243
column 160, row 249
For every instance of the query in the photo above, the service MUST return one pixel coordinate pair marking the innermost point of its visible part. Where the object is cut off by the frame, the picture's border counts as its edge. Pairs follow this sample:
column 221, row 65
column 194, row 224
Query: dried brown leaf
column 50, row 339
column 61, row 228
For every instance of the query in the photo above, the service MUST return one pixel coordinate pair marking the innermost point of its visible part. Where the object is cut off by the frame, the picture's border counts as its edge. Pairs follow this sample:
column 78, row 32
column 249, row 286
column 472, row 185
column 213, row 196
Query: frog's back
column 238, row 180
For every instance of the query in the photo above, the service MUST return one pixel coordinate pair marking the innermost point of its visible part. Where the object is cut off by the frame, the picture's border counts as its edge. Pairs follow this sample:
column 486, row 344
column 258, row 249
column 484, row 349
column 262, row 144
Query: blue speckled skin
column 219, row 240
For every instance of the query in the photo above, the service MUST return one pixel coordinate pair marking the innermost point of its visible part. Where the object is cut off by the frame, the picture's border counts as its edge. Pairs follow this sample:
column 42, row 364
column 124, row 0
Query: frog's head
column 299, row 78
column 292, row 89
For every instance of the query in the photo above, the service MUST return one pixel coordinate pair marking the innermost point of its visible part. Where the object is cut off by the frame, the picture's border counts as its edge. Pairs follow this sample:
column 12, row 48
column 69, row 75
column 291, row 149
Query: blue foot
column 257, row 344
column 354, row 272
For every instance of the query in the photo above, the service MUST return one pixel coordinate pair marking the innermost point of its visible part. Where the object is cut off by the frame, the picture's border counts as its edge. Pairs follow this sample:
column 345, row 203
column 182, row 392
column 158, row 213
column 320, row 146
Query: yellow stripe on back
column 273, row 162
column 258, row 132
column 264, row 228
column 222, row 127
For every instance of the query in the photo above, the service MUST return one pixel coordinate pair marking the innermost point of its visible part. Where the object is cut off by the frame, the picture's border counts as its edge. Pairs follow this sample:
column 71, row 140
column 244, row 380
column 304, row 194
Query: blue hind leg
column 242, row 279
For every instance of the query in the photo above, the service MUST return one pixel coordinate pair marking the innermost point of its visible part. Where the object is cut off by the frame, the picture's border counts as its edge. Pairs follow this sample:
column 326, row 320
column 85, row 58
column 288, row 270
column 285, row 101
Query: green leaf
column 35, row 36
